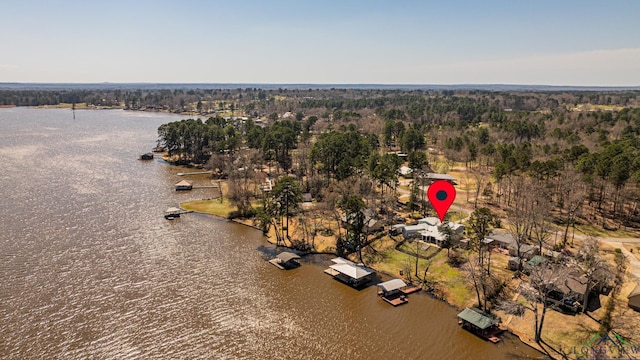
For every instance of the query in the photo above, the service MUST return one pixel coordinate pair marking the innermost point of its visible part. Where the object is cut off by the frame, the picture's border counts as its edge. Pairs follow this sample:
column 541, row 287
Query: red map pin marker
column 441, row 193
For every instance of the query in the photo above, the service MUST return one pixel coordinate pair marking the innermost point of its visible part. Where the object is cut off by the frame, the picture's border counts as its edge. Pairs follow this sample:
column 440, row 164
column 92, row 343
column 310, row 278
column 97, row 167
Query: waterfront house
column 433, row 235
column 567, row 293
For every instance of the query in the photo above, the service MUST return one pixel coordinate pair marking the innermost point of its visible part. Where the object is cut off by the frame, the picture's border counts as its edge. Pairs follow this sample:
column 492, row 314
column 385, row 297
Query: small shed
column 184, row 185
column 514, row 263
column 534, row 262
column 634, row 298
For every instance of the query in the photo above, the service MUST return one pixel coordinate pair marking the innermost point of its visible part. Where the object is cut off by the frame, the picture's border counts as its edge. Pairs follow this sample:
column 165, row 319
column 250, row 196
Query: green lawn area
column 451, row 281
column 213, row 206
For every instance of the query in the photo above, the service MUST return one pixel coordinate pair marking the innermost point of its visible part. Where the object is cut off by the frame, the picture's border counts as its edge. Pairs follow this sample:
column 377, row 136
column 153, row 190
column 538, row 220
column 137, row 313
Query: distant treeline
column 470, row 103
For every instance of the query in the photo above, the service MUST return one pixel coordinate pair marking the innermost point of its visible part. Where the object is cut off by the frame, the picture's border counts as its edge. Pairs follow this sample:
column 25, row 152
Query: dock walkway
column 194, row 173
column 396, row 301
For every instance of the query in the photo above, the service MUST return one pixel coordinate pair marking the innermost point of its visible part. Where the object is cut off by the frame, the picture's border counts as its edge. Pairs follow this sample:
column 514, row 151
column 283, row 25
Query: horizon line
column 458, row 86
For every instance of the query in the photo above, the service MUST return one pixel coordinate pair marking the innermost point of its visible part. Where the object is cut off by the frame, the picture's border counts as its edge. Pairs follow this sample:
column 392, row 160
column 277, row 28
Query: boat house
column 350, row 273
column 389, row 291
column 285, row 260
column 480, row 323
column 184, row 185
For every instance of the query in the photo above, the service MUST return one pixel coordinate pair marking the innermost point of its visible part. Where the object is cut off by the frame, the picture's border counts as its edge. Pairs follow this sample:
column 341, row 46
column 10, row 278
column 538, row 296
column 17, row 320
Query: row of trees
column 609, row 169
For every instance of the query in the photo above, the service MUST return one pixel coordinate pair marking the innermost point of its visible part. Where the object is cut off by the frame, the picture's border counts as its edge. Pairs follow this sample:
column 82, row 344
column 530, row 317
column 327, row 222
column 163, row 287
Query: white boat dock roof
column 391, row 285
column 351, row 270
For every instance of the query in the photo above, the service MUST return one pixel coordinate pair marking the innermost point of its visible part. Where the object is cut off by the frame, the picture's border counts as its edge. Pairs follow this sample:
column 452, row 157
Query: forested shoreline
column 580, row 150
column 537, row 164
column 581, row 147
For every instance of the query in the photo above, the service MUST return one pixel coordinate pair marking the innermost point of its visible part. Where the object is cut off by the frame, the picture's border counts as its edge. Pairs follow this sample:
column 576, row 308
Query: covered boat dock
column 480, row 323
column 391, row 292
column 285, row 260
column 349, row 272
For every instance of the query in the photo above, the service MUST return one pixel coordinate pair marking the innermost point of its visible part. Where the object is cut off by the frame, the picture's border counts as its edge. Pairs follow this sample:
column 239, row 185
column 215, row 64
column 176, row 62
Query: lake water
column 89, row 268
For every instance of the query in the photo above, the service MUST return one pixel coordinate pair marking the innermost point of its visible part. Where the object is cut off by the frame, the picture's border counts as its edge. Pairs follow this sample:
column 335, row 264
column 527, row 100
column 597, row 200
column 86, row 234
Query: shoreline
column 268, row 239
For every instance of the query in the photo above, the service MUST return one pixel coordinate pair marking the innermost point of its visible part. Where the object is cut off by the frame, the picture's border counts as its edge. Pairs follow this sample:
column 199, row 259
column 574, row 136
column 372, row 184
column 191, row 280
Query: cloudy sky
column 541, row 42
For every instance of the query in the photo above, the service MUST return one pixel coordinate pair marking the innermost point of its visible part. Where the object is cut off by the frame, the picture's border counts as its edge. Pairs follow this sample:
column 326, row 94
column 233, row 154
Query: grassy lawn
column 213, row 206
column 451, row 282
column 592, row 230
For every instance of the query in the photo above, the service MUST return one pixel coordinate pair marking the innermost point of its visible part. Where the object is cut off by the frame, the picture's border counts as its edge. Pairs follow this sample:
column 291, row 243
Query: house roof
column 287, row 256
column 405, row 170
column 351, row 270
column 477, row 318
column 340, row 260
column 524, row 248
column 634, row 298
column 391, row 285
column 434, row 232
column 536, row 260
column 418, row 227
column 434, row 176
column 431, row 220
column 573, row 283
column 501, row 237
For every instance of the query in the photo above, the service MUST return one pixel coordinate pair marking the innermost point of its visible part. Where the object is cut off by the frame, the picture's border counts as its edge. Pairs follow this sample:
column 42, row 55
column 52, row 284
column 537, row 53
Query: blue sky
column 539, row 42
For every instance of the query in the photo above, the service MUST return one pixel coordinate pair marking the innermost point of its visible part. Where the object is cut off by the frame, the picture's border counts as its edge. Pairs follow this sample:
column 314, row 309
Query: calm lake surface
column 89, row 268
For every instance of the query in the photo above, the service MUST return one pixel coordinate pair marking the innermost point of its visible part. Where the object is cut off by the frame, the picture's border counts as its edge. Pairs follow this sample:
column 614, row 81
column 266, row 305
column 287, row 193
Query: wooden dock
column 276, row 262
column 205, row 187
column 411, row 290
column 331, row 272
column 194, row 173
column 396, row 301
